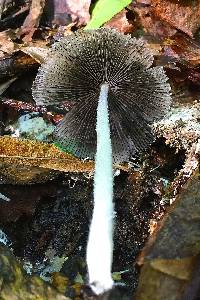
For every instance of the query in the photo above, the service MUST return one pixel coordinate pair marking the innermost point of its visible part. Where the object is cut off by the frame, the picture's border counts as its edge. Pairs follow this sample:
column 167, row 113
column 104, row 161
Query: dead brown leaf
column 120, row 22
column 37, row 53
column 77, row 10
column 163, row 18
column 180, row 55
column 32, row 20
column 28, row 161
column 151, row 23
column 16, row 64
column 184, row 49
column 36, row 154
column 183, row 15
column 7, row 46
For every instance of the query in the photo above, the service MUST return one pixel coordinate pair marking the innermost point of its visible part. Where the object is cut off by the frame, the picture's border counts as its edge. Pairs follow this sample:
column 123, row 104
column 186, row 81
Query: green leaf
column 104, row 10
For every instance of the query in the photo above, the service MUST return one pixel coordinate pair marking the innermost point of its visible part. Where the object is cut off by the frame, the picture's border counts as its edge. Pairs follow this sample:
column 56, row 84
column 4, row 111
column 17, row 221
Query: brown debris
column 17, row 285
column 24, row 200
column 184, row 49
column 120, row 22
column 12, row 172
column 77, row 10
column 34, row 154
column 32, row 20
column 5, row 5
column 6, row 44
column 190, row 166
column 38, row 53
column 16, row 64
column 181, row 56
column 163, row 18
column 151, row 23
column 20, row 105
column 182, row 15
column 171, row 256
column 180, row 127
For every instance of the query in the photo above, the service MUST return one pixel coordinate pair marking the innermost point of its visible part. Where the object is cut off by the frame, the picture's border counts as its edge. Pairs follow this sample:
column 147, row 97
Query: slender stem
column 100, row 242
column 2, row 197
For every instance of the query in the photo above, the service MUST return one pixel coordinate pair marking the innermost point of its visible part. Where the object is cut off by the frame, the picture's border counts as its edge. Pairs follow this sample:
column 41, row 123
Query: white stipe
column 100, row 242
column 4, row 198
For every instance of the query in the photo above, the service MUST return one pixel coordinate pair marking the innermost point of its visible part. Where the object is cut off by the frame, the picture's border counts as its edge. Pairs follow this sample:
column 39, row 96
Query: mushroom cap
column 74, row 71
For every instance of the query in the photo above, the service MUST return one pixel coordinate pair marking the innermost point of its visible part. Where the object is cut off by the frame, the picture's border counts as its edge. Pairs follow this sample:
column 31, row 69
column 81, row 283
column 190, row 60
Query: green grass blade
column 104, row 10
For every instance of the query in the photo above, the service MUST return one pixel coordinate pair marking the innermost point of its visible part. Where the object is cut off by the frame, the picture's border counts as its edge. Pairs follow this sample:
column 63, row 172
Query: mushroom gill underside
column 138, row 94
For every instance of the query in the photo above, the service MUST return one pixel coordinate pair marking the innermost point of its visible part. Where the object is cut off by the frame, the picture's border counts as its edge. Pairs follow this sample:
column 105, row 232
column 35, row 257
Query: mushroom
column 116, row 96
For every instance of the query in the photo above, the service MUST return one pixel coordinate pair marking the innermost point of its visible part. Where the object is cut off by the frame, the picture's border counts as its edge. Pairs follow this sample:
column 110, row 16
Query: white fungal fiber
column 100, row 244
